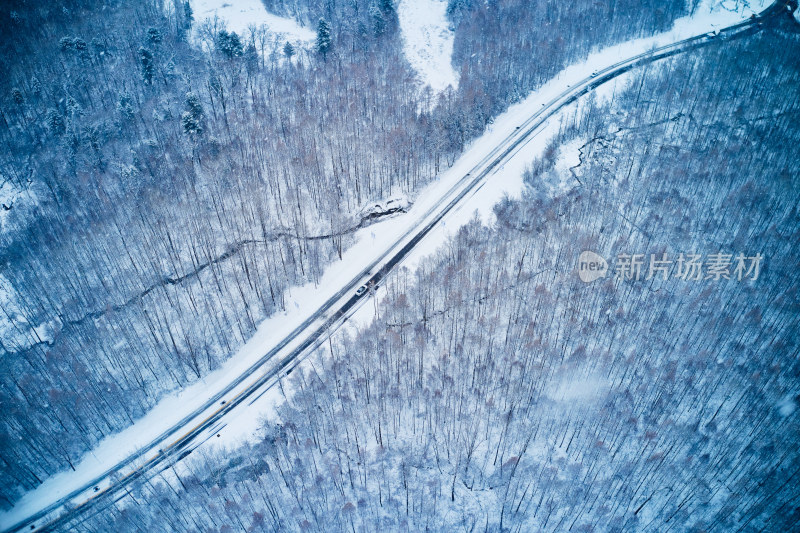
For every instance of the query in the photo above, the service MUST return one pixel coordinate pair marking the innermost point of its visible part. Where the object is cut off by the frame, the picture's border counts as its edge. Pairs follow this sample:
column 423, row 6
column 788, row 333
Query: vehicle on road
column 361, row 290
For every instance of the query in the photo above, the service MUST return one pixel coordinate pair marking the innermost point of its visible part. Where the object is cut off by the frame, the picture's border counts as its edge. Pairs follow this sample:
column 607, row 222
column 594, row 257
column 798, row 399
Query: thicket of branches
column 167, row 193
column 497, row 392
column 501, row 59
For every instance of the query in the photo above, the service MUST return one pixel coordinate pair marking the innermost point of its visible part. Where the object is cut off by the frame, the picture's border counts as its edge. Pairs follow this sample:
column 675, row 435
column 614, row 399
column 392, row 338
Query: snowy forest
column 164, row 193
column 494, row 391
column 165, row 181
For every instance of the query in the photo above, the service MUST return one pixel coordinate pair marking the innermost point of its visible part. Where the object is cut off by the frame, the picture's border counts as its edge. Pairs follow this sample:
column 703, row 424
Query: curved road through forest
column 180, row 440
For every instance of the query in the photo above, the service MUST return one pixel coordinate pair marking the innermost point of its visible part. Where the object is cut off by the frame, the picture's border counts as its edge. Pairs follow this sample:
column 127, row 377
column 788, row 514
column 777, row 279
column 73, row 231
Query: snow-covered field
column 370, row 243
column 428, row 41
column 239, row 15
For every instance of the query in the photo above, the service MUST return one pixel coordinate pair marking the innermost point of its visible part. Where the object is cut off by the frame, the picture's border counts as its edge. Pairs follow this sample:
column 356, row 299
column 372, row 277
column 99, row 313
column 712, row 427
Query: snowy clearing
column 720, row 13
column 428, row 41
column 239, row 15
column 370, row 243
column 787, row 406
column 577, row 388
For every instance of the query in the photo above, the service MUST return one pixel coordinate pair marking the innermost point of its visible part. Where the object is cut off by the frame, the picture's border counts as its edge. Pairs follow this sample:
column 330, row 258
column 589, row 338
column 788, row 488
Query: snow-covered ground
column 428, row 41
column 714, row 14
column 240, row 15
column 370, row 243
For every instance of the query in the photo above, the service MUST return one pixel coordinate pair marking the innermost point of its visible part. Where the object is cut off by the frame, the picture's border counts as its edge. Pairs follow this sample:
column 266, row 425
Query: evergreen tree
column 378, row 22
column 389, row 11
column 229, row 44
column 288, row 50
column 456, row 8
column 125, row 108
column 194, row 106
column 56, row 122
column 251, row 58
column 192, row 118
column 188, row 15
column 148, row 67
column 190, row 125
column 324, row 42
column 98, row 47
column 16, row 96
column 154, row 35
column 36, row 86
column 66, row 43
